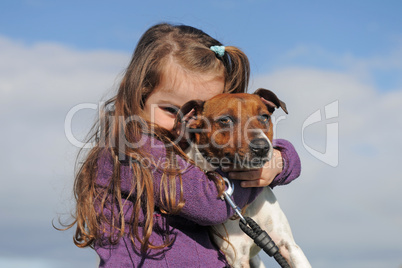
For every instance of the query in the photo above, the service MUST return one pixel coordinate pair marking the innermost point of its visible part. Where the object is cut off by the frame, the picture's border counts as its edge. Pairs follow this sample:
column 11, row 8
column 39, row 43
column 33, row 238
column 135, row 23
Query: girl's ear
column 188, row 112
column 270, row 100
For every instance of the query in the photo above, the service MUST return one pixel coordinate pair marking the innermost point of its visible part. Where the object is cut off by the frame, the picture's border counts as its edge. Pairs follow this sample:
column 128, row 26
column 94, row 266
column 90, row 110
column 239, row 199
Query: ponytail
column 238, row 70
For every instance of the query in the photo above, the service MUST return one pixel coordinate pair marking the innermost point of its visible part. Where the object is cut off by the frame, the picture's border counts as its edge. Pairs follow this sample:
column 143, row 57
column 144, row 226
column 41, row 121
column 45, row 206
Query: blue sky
column 55, row 55
column 360, row 27
column 266, row 30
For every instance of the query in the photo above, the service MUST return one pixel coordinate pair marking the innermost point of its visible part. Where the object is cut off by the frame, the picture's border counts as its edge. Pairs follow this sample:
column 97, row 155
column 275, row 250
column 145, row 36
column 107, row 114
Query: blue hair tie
column 219, row 50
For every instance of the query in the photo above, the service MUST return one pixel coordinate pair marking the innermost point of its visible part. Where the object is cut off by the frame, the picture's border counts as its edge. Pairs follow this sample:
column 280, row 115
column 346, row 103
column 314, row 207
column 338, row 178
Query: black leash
column 254, row 231
column 263, row 240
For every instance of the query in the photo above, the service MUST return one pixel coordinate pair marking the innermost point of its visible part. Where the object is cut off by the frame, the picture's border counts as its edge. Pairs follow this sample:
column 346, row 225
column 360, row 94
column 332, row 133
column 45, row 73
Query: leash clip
column 227, row 194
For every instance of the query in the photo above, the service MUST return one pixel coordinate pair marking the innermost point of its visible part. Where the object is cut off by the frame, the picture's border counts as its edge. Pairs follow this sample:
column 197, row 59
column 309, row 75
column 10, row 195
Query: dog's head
column 233, row 130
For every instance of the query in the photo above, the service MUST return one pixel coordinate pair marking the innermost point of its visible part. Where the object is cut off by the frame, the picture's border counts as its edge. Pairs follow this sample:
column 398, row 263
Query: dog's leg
column 255, row 262
column 266, row 212
column 278, row 228
column 239, row 257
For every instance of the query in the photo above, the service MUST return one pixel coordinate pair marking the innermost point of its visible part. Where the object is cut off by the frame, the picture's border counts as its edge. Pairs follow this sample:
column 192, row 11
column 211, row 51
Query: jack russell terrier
column 235, row 130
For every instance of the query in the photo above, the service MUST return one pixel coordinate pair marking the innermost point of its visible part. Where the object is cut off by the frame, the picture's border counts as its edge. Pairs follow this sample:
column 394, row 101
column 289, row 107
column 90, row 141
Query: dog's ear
column 188, row 111
column 270, row 100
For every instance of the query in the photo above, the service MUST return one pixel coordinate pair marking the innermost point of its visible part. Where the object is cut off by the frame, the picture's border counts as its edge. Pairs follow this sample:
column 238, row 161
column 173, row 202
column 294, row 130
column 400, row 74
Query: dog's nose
column 259, row 147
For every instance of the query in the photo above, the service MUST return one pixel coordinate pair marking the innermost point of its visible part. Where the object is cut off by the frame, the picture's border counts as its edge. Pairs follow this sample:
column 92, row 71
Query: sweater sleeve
column 291, row 163
column 202, row 203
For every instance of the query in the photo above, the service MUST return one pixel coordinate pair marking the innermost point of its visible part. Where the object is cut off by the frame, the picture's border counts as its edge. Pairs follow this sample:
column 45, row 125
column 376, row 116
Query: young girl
column 140, row 202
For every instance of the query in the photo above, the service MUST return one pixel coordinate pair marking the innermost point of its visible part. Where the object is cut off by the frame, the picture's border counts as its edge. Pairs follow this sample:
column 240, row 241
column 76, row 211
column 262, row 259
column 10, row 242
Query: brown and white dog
column 235, row 130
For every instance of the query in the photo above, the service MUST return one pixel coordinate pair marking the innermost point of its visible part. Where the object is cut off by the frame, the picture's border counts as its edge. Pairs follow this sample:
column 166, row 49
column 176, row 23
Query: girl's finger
column 253, row 183
column 245, row 175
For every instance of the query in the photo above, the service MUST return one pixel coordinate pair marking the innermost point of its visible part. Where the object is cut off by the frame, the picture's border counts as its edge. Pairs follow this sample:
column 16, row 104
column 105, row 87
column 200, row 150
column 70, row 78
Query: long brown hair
column 190, row 48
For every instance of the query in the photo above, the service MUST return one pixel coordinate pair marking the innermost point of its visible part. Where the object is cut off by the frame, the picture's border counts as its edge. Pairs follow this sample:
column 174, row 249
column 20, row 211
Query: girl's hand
column 260, row 177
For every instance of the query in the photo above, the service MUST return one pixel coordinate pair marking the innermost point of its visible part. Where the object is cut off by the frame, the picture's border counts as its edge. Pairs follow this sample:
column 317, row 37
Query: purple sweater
column 192, row 246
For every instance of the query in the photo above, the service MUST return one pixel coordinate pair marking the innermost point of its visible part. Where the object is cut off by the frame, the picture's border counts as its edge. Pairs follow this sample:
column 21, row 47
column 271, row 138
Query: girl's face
column 175, row 89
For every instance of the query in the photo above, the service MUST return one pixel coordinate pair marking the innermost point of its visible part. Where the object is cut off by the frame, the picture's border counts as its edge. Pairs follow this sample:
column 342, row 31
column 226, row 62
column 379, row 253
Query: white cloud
column 351, row 211
column 50, row 75
column 39, row 84
column 382, row 70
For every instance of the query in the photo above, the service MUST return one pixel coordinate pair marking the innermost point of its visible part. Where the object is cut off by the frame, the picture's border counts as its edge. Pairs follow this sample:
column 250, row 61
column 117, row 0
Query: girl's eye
column 264, row 118
column 170, row 109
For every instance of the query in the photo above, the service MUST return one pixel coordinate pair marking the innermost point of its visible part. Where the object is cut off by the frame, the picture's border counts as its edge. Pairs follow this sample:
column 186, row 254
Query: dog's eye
column 264, row 118
column 226, row 120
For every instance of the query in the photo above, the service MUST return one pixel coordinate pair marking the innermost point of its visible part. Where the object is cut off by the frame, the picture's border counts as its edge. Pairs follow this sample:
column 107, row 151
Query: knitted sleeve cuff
column 291, row 163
